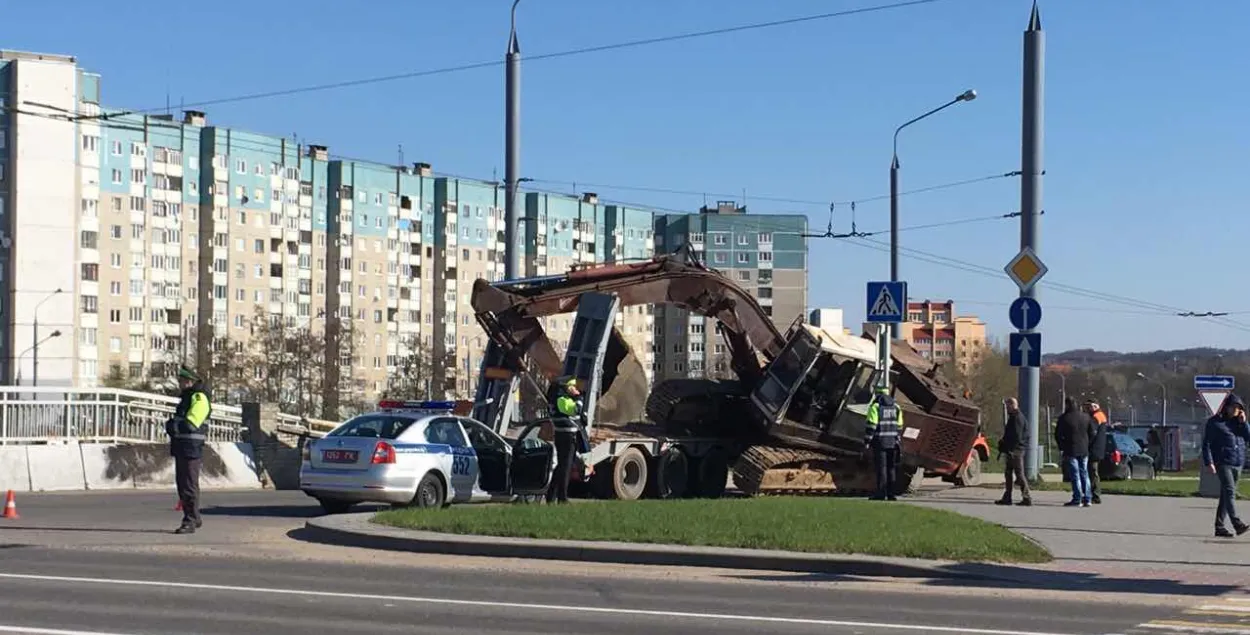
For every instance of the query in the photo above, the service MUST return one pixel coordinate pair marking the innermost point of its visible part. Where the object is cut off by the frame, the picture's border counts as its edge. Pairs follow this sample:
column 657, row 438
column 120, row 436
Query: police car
column 420, row 453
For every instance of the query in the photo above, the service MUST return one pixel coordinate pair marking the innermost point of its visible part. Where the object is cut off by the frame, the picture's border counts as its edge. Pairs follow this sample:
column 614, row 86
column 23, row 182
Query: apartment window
column 240, row 166
column 90, row 272
column 742, row 239
column 719, row 258
column 117, row 177
column 136, row 231
column 136, row 314
column 136, row 287
column 90, row 304
column 115, row 316
column 115, row 344
column 115, row 261
column 138, row 150
column 139, row 176
column 766, row 256
column 87, row 337
column 743, row 258
column 88, row 240
column 89, row 143
column 117, row 148
column 765, row 239
column 138, row 204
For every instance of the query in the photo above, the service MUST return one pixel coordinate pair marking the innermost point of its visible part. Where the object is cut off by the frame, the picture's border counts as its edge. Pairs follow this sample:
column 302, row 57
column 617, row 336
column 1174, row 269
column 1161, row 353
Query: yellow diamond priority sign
column 1026, row 269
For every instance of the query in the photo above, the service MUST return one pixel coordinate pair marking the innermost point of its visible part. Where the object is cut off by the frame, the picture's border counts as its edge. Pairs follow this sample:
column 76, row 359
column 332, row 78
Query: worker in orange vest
column 1097, row 449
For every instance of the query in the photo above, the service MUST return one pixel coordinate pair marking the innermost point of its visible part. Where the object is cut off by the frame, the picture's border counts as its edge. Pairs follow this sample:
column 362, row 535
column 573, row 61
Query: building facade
column 933, row 329
column 765, row 253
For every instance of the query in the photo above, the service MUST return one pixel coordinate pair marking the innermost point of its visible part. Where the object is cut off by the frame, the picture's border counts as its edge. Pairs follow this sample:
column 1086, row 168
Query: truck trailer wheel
column 629, row 475
column 709, row 475
column 670, row 474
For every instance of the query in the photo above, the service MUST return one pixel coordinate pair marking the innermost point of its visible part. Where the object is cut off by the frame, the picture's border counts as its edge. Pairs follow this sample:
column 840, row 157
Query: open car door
column 533, row 462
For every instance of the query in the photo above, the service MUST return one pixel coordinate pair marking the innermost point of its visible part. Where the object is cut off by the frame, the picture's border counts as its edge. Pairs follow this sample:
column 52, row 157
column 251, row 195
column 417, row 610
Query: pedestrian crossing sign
column 886, row 301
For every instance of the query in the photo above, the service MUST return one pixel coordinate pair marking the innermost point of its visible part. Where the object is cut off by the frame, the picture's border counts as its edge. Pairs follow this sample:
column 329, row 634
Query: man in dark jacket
column 1097, row 449
column 1011, row 446
column 188, row 430
column 1224, row 456
column 1072, row 434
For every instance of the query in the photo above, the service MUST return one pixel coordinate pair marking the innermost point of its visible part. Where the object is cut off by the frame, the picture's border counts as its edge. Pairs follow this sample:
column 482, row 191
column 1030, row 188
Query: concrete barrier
column 101, row 466
column 14, row 469
column 55, row 467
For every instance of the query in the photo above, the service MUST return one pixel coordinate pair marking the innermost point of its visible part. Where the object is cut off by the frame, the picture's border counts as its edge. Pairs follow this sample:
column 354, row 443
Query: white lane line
column 1239, row 608
column 517, row 605
column 29, row 630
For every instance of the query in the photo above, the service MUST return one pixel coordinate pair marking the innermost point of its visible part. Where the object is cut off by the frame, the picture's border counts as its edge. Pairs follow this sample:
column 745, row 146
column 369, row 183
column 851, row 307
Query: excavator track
column 696, row 406
column 774, row 470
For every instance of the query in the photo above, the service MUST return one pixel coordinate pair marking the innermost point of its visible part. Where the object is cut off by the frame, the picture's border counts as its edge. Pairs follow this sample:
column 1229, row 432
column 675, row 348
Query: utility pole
column 512, row 154
column 1030, row 204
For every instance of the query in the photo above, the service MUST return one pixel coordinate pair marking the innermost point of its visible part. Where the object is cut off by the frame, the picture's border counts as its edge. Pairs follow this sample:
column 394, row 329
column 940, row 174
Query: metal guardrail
column 31, row 415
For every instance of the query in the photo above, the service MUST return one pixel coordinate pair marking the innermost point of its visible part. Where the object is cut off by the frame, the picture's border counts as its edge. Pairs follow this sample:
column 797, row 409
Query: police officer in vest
column 884, row 421
column 188, row 430
column 568, row 427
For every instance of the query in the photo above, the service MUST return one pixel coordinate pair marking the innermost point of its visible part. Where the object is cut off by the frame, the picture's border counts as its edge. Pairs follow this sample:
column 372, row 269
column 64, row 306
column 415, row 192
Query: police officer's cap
column 187, row 373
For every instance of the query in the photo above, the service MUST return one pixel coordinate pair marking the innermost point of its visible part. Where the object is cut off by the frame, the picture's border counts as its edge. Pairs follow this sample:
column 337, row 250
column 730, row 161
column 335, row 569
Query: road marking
column 29, row 630
column 511, row 605
column 1199, row 627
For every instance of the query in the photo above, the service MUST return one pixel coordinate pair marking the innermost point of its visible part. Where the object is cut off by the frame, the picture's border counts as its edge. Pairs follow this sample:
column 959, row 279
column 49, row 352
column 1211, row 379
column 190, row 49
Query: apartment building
column 765, row 253
column 128, row 232
column 933, row 329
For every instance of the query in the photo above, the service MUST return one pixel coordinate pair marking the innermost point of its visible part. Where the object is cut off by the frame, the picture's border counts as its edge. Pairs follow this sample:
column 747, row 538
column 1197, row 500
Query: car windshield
column 375, row 426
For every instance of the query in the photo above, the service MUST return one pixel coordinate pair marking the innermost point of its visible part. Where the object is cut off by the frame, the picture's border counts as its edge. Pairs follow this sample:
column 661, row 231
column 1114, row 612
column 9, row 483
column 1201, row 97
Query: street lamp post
column 967, row 95
column 34, row 347
column 1163, row 416
column 34, row 375
column 512, row 153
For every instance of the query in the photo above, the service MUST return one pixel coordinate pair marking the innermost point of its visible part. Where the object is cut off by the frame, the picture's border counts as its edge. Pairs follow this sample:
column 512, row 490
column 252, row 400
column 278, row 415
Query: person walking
column 884, row 422
column 188, row 430
column 1072, row 434
column 1097, row 449
column 567, row 429
column 1011, row 447
column 1224, row 455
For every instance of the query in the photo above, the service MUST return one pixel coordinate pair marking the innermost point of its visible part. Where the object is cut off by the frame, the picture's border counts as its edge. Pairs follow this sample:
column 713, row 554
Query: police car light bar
column 395, row 404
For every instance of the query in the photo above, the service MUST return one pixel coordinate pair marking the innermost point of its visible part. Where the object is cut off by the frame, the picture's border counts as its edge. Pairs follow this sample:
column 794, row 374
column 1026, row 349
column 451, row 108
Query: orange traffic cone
column 10, row 506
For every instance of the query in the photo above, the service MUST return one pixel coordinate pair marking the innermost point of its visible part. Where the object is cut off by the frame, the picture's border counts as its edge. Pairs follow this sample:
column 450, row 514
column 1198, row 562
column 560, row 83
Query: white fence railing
column 106, row 415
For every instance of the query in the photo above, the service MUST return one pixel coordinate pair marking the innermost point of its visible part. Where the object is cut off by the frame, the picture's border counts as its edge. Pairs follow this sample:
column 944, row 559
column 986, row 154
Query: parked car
column 1125, row 460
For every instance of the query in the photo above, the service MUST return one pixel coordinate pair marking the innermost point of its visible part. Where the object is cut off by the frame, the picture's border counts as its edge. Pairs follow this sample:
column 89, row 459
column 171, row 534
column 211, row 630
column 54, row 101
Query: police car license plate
column 339, row 456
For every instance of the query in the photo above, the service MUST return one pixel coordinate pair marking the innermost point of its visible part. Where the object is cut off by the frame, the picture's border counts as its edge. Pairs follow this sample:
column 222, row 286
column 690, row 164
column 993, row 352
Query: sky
column 1144, row 195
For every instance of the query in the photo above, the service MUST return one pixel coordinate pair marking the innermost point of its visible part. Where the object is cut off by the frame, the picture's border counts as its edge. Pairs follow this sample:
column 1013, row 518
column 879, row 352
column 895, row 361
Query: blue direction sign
column 1025, row 349
column 1025, row 314
column 1214, row 382
column 887, row 301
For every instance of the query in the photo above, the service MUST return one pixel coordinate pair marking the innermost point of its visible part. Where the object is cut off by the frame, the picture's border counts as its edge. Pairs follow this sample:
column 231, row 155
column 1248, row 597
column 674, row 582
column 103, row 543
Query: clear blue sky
column 1146, row 146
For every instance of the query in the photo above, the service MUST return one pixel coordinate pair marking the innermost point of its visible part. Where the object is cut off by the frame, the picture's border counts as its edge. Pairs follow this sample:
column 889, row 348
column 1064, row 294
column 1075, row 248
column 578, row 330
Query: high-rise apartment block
column 766, row 254
column 146, row 240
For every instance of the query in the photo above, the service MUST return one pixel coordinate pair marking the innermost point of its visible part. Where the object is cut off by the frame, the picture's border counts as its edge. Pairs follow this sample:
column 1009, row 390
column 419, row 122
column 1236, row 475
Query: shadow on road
column 992, row 576
column 83, row 529
column 276, row 511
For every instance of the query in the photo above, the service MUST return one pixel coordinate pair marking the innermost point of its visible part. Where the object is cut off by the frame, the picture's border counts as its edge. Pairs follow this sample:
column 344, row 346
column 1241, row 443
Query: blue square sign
column 1025, row 349
column 887, row 302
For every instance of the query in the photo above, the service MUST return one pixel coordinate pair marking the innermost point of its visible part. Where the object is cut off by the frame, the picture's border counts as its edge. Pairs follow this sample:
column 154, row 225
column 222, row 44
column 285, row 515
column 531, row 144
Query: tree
column 414, row 372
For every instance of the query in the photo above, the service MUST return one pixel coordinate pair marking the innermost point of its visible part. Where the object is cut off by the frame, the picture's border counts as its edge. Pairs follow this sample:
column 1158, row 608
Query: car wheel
column 969, row 474
column 429, row 492
column 629, row 475
column 331, row 506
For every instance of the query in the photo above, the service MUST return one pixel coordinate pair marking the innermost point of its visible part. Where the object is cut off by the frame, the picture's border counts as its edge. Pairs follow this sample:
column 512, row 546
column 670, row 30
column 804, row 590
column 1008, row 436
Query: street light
column 967, row 95
column 1163, row 417
column 34, row 380
column 35, row 348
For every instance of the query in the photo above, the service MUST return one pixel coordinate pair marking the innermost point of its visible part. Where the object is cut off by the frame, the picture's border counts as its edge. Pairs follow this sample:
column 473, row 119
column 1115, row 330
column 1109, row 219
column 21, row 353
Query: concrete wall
column 100, row 466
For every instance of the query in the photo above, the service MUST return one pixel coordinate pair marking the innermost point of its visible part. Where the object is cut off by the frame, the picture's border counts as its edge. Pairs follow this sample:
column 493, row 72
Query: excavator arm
column 509, row 311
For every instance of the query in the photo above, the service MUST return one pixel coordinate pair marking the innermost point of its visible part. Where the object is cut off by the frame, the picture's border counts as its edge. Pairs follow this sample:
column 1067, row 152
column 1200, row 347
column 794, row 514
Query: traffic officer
column 884, row 421
column 567, row 429
column 188, row 430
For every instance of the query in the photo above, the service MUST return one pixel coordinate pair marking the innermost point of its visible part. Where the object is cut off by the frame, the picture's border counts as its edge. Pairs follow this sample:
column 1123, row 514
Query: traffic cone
column 10, row 506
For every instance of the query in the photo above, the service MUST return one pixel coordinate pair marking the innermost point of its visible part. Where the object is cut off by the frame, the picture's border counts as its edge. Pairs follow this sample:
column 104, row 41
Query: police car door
column 460, row 461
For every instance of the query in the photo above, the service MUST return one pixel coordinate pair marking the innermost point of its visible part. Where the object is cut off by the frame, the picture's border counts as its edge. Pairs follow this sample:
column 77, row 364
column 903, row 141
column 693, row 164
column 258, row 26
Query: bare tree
column 414, row 372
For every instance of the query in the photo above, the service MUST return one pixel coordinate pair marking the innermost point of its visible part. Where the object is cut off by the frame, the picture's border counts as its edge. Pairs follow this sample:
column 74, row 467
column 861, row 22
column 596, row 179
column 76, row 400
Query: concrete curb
column 357, row 530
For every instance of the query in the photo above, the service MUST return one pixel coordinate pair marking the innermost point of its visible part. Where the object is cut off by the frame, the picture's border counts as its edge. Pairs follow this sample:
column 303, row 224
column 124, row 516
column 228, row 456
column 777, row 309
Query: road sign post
column 887, row 304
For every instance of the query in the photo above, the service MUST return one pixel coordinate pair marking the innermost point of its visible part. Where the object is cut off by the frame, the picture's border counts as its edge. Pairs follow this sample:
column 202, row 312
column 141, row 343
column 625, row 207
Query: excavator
column 792, row 422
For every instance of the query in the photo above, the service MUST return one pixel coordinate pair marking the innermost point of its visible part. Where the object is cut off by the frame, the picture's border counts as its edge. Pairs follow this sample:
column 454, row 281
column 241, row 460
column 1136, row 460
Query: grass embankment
column 820, row 525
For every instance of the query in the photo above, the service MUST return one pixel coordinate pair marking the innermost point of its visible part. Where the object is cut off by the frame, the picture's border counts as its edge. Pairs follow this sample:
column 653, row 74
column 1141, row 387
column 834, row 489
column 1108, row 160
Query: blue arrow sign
column 1025, row 314
column 887, row 301
column 1214, row 382
column 1025, row 349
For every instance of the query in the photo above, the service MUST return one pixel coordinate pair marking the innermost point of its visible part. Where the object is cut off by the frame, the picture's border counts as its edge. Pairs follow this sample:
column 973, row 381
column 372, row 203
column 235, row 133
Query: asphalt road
column 105, row 563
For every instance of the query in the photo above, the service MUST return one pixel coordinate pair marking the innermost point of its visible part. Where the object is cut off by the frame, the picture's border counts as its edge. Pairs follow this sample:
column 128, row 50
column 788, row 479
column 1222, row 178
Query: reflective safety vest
column 188, row 429
column 571, row 408
column 884, row 422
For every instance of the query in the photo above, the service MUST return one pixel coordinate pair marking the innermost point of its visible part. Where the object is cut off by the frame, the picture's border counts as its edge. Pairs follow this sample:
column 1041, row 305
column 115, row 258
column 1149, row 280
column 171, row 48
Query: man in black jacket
column 1011, row 446
column 1097, row 449
column 1223, row 452
column 1072, row 434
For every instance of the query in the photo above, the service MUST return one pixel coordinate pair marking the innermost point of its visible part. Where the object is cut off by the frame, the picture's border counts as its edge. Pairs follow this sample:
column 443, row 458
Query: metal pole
column 34, row 375
column 894, row 326
column 1164, row 416
column 1031, row 201
column 512, row 154
column 883, row 354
